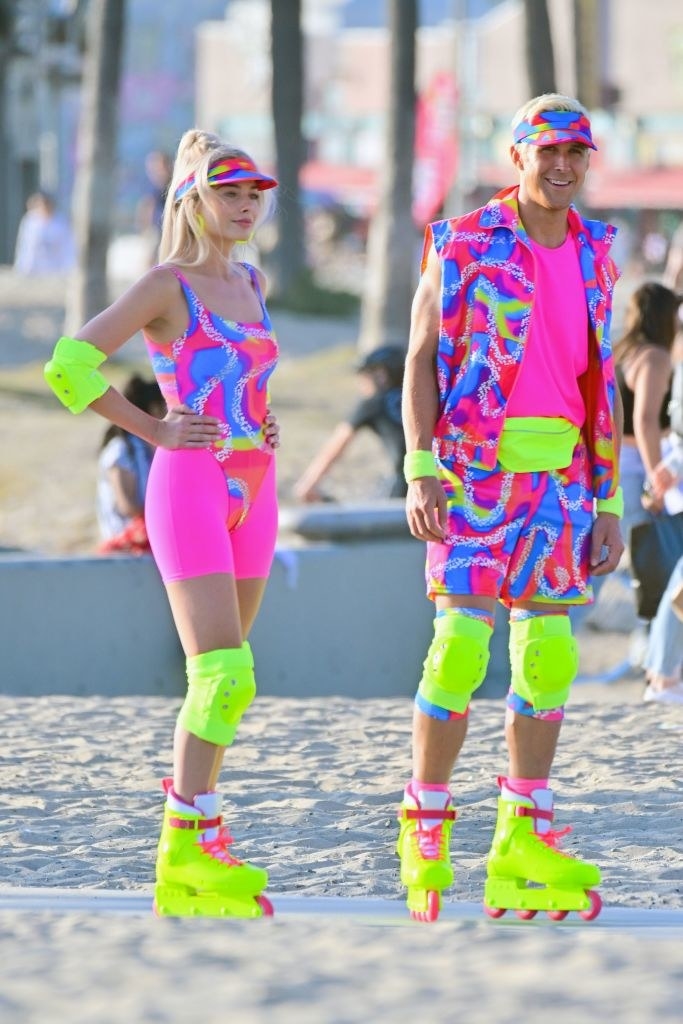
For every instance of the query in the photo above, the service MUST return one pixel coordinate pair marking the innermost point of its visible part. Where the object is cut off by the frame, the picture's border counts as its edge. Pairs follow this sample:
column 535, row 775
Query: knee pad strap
column 221, row 687
column 544, row 660
column 456, row 661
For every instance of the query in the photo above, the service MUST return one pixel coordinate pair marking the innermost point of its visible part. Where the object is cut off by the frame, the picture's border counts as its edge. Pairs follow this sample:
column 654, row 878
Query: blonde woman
column 210, row 507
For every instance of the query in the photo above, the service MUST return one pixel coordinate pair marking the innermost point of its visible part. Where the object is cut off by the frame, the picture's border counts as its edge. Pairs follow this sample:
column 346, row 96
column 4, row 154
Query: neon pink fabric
column 187, row 509
column 556, row 350
column 215, row 509
column 221, row 368
column 525, row 787
column 488, row 289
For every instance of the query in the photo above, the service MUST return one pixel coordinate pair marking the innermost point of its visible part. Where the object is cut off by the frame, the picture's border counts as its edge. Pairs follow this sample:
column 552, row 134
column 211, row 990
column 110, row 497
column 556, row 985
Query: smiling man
column 512, row 428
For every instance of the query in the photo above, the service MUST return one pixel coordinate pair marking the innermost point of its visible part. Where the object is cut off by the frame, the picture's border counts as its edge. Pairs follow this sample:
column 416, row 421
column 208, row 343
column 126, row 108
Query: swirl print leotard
column 214, row 509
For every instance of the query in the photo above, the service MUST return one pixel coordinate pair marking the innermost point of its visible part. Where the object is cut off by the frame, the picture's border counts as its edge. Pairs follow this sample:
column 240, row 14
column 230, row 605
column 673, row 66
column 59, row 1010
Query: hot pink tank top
column 556, row 351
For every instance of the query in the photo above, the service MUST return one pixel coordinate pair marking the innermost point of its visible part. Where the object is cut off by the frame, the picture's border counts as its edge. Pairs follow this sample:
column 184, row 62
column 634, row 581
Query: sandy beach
column 311, row 791
column 311, row 788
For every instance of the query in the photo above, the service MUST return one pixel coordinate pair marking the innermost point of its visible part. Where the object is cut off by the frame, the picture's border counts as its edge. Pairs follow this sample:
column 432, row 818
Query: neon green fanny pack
column 533, row 444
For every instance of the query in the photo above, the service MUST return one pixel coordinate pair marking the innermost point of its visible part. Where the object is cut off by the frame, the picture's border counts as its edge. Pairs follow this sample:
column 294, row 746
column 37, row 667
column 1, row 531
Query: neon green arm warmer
column 73, row 375
column 615, row 504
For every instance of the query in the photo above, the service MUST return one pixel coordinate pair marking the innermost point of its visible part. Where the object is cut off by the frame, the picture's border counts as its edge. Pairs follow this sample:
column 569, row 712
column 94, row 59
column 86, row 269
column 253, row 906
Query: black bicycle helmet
column 391, row 356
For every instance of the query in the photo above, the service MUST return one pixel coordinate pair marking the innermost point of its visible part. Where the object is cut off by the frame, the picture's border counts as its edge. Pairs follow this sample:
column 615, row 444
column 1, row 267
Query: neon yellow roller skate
column 196, row 873
column 424, row 848
column 527, row 873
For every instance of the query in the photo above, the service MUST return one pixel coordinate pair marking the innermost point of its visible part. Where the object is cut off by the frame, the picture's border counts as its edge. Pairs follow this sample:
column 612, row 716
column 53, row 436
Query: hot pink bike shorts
column 187, row 512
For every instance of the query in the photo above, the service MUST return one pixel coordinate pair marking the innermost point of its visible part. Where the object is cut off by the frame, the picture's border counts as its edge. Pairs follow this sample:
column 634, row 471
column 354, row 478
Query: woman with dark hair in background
column 643, row 370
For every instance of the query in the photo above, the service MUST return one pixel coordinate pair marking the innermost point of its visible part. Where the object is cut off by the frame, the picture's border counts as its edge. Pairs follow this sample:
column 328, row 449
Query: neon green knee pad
column 73, row 375
column 544, row 660
column 221, row 687
column 456, row 661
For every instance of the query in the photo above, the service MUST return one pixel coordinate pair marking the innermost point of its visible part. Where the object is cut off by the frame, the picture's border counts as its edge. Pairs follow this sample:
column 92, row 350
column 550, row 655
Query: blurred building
column 43, row 63
column 635, row 58
column 208, row 63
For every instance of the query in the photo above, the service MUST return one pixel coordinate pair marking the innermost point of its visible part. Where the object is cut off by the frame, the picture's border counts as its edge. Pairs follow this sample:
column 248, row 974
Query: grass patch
column 309, row 298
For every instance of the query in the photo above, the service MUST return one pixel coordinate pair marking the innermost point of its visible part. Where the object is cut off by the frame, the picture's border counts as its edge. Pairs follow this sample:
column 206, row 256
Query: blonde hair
column 184, row 238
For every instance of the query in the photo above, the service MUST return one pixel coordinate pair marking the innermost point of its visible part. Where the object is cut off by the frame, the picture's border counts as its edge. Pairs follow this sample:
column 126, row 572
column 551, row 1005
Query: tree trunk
column 7, row 221
column 587, row 53
column 287, row 107
column 95, row 183
column 540, row 60
column 392, row 244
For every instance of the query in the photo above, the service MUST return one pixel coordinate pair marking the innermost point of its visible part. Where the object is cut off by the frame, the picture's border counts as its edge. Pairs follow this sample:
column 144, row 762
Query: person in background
column 45, row 242
column 643, row 368
column 512, row 421
column 673, row 270
column 664, row 654
column 123, row 468
column 381, row 380
column 211, row 502
column 150, row 209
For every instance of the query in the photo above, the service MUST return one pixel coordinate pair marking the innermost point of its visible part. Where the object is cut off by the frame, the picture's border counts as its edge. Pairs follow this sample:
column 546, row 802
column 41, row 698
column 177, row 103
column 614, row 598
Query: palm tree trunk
column 540, row 60
column 95, row 183
column 287, row 106
column 392, row 243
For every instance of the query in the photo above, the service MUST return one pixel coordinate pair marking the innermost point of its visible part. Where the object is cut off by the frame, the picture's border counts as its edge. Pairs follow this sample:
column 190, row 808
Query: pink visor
column 222, row 172
column 549, row 127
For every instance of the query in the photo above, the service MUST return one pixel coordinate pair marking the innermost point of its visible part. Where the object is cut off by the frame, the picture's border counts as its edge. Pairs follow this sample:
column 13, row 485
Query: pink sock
column 429, row 795
column 524, row 787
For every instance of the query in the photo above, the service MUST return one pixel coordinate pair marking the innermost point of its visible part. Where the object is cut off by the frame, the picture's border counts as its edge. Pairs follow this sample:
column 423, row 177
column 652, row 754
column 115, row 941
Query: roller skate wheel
column 494, row 912
column 526, row 915
column 557, row 915
column 432, row 911
column 595, row 907
column 265, row 905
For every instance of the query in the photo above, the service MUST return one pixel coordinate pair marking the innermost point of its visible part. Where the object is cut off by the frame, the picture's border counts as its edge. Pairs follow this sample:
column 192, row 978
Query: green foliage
column 7, row 13
column 306, row 296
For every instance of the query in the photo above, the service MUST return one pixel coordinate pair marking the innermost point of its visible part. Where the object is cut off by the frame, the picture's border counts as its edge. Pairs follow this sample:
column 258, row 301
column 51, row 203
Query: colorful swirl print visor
column 224, row 171
column 549, row 127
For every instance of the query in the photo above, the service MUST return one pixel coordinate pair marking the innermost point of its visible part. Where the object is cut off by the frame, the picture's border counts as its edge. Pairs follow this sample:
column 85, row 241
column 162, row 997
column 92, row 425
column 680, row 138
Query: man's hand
column 607, row 545
column 271, row 430
column 426, row 509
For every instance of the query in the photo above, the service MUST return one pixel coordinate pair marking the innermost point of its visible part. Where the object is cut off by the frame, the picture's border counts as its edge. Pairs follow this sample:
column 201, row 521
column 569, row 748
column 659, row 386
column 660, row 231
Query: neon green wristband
column 73, row 375
column 417, row 464
column 615, row 504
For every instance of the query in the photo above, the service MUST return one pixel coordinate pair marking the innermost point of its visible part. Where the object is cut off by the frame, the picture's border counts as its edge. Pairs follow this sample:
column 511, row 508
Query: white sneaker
column 669, row 695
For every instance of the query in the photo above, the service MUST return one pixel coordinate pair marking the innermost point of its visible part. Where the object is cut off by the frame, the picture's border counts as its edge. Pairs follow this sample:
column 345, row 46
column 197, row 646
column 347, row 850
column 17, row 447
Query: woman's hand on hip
column 183, row 428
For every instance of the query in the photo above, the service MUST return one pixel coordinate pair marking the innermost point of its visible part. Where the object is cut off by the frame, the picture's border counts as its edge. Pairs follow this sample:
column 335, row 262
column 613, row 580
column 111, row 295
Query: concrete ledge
column 349, row 522
column 337, row 619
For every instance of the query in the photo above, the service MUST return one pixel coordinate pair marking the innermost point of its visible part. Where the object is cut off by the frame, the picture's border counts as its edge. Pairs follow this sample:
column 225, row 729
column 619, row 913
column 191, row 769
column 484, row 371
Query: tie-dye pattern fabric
column 516, row 536
column 549, row 127
column 487, row 299
column 221, row 368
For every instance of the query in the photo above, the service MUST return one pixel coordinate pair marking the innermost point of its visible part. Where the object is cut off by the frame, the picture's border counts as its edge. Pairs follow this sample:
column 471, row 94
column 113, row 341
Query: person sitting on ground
column 123, row 468
column 381, row 380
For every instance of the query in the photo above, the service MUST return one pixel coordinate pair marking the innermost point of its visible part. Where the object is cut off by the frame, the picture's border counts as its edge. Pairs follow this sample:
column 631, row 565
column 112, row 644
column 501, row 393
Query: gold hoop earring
column 201, row 225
